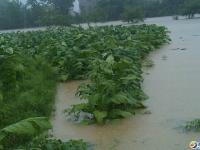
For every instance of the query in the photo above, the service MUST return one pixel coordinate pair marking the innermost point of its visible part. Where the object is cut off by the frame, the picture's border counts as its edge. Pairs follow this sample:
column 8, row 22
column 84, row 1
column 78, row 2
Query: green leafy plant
column 193, row 125
column 148, row 63
column 114, row 90
column 30, row 127
column 115, row 77
column 110, row 57
column 48, row 143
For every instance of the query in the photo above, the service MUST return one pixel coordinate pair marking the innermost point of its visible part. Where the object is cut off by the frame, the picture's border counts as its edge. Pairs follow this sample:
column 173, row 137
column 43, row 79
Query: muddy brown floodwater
column 173, row 87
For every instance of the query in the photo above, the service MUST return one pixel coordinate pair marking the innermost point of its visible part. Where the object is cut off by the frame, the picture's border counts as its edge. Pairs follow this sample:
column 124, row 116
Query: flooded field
column 173, row 89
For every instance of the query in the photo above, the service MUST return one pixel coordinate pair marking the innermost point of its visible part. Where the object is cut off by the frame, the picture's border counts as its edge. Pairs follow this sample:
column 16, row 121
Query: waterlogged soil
column 172, row 85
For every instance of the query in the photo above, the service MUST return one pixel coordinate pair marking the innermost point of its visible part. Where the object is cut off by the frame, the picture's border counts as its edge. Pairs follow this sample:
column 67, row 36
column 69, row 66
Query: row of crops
column 110, row 57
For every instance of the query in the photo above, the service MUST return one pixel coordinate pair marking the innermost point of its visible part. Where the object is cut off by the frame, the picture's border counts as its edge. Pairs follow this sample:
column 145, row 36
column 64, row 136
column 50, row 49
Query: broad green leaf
column 9, row 50
column 120, row 98
column 100, row 116
column 124, row 114
column 1, row 98
column 129, row 77
column 63, row 43
column 64, row 77
column 2, row 136
column 110, row 60
column 30, row 126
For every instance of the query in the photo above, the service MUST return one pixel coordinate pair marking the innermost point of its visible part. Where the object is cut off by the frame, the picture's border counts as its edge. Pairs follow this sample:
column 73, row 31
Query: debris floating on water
column 147, row 112
column 164, row 57
column 182, row 49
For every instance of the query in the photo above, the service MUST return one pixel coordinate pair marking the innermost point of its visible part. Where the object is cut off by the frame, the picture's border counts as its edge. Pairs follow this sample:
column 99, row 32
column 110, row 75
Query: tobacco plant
column 114, row 89
column 110, row 57
column 115, row 77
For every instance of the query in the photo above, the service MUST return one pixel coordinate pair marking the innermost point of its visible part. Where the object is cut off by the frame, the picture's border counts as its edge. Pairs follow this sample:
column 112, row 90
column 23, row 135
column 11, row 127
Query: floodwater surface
column 174, row 97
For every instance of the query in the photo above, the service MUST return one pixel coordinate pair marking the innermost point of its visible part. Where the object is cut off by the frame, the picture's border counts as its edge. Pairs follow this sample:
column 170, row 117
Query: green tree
column 107, row 10
column 10, row 14
column 35, row 11
column 62, row 6
column 133, row 14
column 190, row 8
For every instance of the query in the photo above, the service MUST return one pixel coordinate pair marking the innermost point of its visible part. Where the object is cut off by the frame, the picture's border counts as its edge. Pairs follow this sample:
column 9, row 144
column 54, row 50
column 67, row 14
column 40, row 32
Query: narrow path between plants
column 173, row 89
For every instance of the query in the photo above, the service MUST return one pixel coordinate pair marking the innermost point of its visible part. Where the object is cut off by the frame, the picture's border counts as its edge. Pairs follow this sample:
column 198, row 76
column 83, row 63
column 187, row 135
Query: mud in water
column 173, row 87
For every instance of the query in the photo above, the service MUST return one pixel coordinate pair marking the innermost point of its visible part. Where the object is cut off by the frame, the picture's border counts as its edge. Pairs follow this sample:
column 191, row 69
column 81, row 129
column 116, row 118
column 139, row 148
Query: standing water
column 173, row 89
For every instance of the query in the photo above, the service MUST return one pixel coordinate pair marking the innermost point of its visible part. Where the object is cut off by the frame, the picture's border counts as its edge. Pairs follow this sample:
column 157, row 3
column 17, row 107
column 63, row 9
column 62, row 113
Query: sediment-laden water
column 173, row 87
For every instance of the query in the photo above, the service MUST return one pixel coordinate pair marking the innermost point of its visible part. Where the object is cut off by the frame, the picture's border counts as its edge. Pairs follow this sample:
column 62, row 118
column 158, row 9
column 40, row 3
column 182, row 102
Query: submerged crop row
column 110, row 57
column 115, row 72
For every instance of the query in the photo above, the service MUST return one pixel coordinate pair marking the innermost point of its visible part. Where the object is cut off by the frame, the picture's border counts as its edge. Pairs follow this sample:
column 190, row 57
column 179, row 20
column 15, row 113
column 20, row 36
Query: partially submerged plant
column 115, row 73
column 193, row 125
column 110, row 57
column 114, row 91
column 148, row 63
column 176, row 17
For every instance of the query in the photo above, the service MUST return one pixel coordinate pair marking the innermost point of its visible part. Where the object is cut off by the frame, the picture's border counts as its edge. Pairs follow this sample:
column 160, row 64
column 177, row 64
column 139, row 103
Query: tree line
column 15, row 14
column 34, row 13
column 137, row 10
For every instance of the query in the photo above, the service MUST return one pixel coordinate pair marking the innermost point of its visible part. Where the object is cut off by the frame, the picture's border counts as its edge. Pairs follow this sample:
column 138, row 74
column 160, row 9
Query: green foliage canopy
column 133, row 14
column 110, row 57
column 190, row 8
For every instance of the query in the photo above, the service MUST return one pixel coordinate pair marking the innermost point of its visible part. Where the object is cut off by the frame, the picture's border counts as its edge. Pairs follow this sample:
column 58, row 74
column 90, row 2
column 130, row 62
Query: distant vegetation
column 190, row 8
column 137, row 10
column 14, row 14
column 132, row 14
